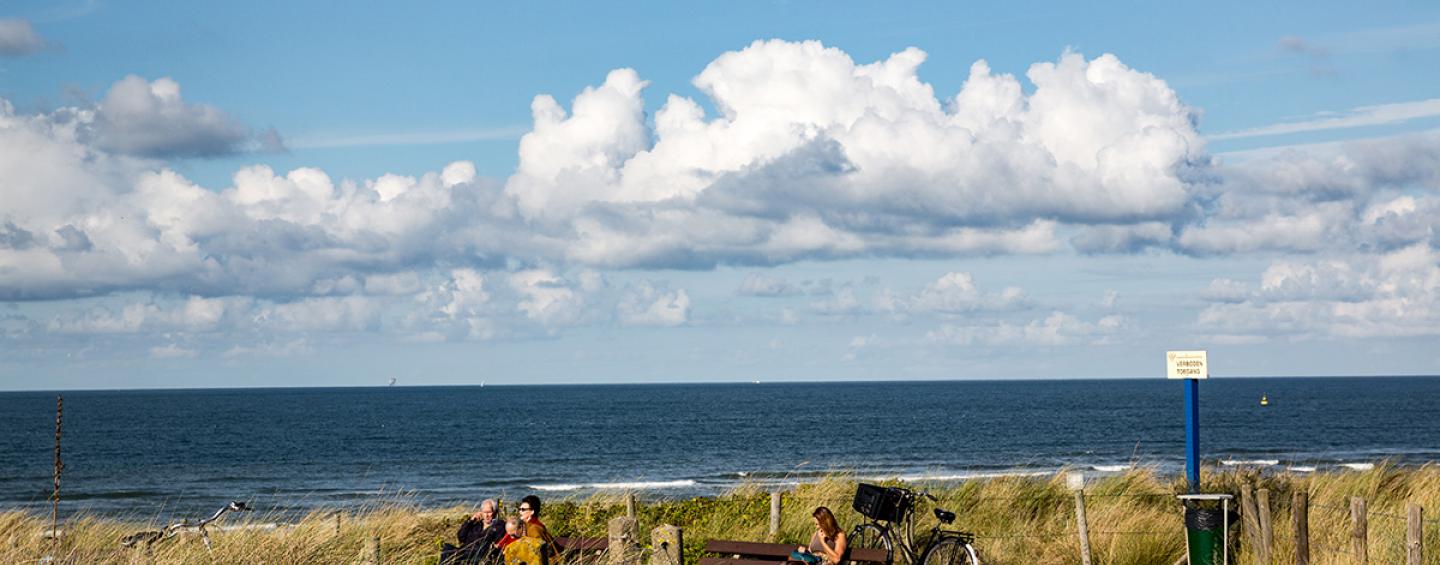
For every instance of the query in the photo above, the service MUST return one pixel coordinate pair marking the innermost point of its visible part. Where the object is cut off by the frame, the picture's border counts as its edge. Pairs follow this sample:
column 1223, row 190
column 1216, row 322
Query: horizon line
column 703, row 382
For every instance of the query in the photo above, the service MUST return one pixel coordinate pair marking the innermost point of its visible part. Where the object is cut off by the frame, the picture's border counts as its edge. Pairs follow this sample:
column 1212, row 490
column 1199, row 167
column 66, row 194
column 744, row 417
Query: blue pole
column 1192, row 434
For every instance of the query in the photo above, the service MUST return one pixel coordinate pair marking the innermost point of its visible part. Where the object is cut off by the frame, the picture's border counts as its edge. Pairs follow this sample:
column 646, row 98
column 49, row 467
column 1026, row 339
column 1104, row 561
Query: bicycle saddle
column 945, row 516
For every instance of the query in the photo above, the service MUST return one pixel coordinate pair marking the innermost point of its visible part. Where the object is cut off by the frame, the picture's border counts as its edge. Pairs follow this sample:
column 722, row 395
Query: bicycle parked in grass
column 891, row 526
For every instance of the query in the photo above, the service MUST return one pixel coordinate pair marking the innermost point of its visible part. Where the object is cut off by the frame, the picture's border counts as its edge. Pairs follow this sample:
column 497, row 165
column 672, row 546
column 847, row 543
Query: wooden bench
column 752, row 553
column 581, row 550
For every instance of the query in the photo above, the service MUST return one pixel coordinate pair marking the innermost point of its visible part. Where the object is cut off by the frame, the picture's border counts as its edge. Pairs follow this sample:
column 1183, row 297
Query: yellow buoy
column 1264, row 400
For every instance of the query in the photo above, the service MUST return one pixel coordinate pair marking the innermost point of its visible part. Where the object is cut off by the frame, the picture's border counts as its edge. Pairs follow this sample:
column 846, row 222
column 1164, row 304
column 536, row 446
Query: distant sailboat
column 392, row 381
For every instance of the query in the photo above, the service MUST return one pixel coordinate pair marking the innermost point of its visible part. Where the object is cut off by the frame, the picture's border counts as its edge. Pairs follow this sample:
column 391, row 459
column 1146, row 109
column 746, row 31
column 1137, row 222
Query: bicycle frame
column 902, row 534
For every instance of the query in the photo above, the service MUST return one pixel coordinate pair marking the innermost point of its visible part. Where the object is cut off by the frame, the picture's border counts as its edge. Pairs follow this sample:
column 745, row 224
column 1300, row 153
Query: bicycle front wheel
column 950, row 551
column 870, row 536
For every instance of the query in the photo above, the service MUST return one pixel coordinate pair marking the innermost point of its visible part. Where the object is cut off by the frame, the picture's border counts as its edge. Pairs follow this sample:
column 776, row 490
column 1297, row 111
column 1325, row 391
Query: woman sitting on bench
column 535, row 546
column 534, row 528
column 827, row 544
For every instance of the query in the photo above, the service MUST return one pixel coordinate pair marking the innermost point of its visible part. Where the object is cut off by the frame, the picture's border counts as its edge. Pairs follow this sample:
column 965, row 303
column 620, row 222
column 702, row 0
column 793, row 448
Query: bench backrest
column 868, row 555
column 582, row 544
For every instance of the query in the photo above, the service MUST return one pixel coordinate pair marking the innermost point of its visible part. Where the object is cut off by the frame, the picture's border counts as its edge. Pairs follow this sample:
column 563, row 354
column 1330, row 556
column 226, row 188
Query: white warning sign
column 1186, row 365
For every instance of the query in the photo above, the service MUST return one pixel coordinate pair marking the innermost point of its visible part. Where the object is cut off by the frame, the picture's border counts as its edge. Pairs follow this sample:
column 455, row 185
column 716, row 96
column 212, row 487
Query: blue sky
column 269, row 194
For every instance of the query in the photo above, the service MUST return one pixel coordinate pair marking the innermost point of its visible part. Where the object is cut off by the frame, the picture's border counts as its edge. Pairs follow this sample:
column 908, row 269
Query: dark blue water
column 150, row 452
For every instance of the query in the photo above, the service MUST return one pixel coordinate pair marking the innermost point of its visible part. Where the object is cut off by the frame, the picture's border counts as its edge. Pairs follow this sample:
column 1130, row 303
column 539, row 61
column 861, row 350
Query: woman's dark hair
column 827, row 521
column 534, row 502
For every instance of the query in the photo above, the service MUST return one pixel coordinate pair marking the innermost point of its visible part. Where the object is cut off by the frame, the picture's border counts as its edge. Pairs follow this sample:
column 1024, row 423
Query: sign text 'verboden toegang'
column 1186, row 365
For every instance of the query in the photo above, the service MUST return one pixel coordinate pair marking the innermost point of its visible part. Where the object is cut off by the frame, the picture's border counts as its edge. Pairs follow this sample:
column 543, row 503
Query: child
column 513, row 531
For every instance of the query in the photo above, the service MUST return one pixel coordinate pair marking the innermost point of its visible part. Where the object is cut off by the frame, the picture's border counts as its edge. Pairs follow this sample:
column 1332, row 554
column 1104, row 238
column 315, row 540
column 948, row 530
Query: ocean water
column 154, row 453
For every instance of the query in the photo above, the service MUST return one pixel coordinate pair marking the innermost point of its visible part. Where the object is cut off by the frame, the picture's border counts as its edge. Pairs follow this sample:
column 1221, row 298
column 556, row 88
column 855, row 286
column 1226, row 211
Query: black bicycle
column 891, row 525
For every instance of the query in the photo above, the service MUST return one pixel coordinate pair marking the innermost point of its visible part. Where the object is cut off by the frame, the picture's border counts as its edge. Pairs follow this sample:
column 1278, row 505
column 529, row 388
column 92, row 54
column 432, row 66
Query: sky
column 338, row 194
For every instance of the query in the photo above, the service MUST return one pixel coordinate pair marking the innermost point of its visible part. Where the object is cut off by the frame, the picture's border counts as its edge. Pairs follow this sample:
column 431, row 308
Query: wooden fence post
column 1076, row 481
column 1267, row 535
column 630, row 504
column 774, row 515
column 1082, row 527
column 337, row 522
column 1300, row 517
column 1414, row 534
column 624, row 546
column 1360, row 537
column 372, row 550
column 59, row 468
column 1250, row 515
column 668, row 543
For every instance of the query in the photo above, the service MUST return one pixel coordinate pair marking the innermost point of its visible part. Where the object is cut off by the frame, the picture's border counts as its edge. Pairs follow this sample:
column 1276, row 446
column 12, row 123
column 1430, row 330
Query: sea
column 158, row 453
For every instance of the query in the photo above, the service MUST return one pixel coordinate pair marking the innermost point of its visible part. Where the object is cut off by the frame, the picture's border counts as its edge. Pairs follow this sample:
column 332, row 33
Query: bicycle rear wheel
column 950, row 551
column 870, row 536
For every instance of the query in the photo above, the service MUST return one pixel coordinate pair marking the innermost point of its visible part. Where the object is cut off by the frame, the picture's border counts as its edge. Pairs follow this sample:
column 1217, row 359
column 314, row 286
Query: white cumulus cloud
column 814, row 155
column 149, row 119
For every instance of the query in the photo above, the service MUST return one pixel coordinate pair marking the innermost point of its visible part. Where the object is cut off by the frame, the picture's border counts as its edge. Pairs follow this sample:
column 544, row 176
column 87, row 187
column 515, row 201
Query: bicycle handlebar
column 149, row 537
column 914, row 494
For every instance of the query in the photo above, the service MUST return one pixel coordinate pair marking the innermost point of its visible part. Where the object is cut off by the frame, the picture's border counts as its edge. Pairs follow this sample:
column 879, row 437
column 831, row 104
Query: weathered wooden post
column 1076, row 481
column 668, row 545
column 774, row 515
column 1250, row 515
column 337, row 522
column 1414, row 534
column 1360, row 537
column 1267, row 534
column 624, row 541
column 630, row 504
column 1300, row 518
column 372, row 550
column 59, row 467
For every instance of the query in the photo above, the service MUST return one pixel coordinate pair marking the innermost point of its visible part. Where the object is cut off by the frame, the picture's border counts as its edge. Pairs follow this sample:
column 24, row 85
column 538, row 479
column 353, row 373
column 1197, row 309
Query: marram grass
column 1133, row 520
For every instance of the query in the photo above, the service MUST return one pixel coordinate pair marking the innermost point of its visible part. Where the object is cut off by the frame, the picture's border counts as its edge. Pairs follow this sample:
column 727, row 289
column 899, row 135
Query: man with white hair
column 477, row 537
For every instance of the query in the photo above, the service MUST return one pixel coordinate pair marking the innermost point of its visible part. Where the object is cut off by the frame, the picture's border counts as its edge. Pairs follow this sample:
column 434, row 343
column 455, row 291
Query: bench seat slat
column 733, row 561
column 867, row 555
column 755, row 553
column 750, row 549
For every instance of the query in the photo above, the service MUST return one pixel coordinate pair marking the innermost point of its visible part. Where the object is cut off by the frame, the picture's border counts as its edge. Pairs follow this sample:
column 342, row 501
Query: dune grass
column 1133, row 520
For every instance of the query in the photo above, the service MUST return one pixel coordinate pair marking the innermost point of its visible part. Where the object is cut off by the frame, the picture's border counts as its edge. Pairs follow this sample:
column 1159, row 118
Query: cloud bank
column 1396, row 294
column 813, row 157
column 809, row 155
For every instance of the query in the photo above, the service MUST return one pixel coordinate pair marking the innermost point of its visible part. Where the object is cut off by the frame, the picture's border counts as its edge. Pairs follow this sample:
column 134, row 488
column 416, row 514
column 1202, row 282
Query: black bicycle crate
column 881, row 503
